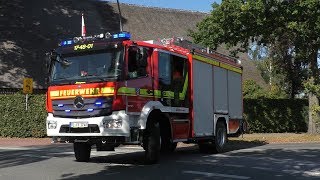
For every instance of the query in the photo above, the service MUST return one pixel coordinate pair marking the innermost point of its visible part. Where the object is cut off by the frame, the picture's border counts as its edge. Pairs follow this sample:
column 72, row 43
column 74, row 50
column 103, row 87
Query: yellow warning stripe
column 85, row 96
column 182, row 95
column 206, row 60
column 231, row 68
column 218, row 64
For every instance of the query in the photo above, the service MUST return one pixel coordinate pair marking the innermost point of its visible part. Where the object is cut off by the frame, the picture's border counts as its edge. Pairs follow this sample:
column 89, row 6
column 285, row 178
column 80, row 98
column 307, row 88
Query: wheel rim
column 221, row 139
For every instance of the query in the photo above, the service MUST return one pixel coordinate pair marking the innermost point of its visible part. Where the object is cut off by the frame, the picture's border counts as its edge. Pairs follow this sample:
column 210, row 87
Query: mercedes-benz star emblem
column 78, row 102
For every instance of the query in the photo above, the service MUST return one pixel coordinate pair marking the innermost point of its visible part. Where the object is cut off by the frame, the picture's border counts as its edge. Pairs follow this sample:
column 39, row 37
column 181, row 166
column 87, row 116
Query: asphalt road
column 272, row 161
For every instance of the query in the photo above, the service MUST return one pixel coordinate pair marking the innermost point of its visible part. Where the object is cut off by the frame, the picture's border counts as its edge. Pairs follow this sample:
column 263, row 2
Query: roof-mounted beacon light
column 66, row 42
column 122, row 35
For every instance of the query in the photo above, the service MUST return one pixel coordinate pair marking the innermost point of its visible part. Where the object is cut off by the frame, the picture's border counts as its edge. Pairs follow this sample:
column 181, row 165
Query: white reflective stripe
column 174, row 109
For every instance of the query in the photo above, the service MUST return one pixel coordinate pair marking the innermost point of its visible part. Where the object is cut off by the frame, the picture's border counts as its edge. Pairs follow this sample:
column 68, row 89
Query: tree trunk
column 313, row 99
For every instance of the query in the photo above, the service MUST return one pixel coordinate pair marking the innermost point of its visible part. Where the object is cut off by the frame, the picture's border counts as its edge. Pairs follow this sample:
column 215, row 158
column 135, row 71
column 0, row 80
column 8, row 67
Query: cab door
column 139, row 85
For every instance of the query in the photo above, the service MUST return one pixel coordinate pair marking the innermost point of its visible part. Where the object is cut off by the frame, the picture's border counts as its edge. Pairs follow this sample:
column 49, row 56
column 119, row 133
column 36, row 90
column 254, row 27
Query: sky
column 193, row 5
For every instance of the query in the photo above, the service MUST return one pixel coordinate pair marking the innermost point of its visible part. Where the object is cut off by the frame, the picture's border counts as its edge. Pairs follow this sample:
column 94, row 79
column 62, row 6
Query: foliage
column 16, row 121
column 263, row 115
column 251, row 90
column 276, row 115
column 293, row 25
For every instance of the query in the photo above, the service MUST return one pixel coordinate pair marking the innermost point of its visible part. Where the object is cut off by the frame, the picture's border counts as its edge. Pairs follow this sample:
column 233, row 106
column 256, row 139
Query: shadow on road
column 250, row 159
column 256, row 163
column 137, row 158
column 241, row 144
column 9, row 158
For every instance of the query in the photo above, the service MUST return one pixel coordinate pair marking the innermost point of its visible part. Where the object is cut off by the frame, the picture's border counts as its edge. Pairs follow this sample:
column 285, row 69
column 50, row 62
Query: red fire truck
column 107, row 90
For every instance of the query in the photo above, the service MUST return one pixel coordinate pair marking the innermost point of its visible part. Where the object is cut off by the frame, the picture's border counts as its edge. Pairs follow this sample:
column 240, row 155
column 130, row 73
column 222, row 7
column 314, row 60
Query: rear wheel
column 221, row 138
column 82, row 151
column 217, row 145
column 152, row 146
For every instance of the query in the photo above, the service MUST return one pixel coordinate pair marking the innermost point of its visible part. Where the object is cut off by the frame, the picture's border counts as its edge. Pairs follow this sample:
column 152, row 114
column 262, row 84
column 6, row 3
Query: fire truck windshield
column 92, row 66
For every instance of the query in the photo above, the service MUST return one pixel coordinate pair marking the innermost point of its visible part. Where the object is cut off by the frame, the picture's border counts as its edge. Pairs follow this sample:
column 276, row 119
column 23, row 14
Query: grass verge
column 278, row 138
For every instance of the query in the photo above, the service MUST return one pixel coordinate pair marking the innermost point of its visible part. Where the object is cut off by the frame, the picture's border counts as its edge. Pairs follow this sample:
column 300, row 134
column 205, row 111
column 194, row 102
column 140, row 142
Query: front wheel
column 152, row 146
column 82, row 151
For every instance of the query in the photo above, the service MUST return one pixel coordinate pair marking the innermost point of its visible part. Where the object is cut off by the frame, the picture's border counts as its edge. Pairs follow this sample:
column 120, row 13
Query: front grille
column 66, row 108
column 92, row 128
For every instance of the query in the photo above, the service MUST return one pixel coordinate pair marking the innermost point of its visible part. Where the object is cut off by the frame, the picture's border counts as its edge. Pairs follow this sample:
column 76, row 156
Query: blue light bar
column 68, row 42
column 124, row 35
column 67, row 110
column 60, row 105
column 89, row 110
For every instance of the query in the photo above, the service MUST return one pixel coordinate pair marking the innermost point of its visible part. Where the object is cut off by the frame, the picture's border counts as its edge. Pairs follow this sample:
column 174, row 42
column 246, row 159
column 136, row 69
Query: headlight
column 52, row 124
column 112, row 123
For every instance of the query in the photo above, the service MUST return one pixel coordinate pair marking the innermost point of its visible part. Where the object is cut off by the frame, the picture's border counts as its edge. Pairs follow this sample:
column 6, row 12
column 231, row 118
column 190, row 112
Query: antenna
column 83, row 26
column 120, row 21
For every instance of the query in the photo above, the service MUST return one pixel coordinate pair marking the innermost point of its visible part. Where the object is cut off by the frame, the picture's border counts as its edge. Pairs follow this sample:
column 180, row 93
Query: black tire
column 217, row 145
column 152, row 146
column 82, row 151
column 167, row 146
column 221, row 138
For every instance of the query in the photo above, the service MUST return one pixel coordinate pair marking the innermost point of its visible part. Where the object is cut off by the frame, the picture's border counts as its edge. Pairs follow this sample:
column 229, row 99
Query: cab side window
column 173, row 78
column 137, row 62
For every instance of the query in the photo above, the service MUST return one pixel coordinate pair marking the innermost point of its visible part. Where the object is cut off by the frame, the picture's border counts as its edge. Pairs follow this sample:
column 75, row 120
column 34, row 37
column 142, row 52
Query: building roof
column 31, row 28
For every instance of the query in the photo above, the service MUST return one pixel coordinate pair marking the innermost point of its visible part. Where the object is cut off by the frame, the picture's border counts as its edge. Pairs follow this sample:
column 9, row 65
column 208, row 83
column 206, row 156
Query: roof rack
column 195, row 47
column 185, row 46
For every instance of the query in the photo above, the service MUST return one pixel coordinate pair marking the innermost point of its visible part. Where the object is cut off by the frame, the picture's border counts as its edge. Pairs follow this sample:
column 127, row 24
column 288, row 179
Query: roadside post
column 27, row 88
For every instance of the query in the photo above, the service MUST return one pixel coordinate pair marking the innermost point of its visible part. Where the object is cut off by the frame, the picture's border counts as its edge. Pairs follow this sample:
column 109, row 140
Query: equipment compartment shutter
column 220, row 85
column 202, row 98
column 234, row 95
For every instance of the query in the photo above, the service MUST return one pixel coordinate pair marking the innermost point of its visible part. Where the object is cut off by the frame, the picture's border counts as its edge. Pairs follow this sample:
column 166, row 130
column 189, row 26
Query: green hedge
column 276, row 115
column 263, row 115
column 16, row 121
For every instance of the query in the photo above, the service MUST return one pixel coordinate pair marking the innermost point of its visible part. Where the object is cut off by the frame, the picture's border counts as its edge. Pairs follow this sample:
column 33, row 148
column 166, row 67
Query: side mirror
column 50, row 56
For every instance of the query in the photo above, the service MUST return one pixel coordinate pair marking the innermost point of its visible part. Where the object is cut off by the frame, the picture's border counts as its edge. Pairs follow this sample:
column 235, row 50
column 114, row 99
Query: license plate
column 78, row 124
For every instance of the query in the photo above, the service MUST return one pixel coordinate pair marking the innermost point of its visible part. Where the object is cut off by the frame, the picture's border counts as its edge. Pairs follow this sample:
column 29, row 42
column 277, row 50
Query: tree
column 237, row 23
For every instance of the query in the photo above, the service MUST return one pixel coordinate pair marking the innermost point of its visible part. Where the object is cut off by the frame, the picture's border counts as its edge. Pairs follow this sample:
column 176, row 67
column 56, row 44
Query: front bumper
column 93, row 121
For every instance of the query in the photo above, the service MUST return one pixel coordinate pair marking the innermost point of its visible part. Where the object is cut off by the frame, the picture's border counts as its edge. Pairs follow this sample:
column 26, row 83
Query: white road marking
column 211, row 163
column 36, row 156
column 262, row 168
column 17, row 148
column 313, row 173
column 216, row 175
column 118, row 164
